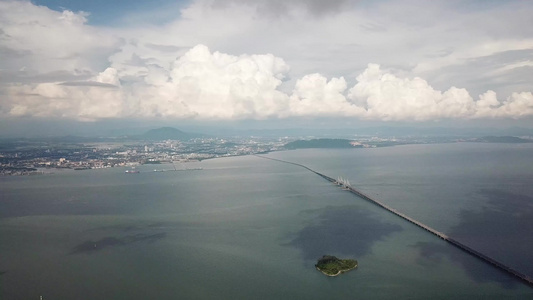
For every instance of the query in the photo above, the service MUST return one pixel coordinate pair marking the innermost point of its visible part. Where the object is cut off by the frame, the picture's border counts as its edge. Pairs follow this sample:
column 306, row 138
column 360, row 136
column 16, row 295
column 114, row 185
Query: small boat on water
column 193, row 169
column 132, row 171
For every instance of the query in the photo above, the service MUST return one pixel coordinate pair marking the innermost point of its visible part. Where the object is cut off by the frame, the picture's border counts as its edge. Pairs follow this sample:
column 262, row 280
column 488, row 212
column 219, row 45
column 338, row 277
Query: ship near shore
column 132, row 171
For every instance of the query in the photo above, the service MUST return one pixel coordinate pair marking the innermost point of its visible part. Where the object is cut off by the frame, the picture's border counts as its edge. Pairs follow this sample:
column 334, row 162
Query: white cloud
column 199, row 84
column 158, row 72
column 81, row 102
column 314, row 95
column 41, row 40
column 205, row 86
column 390, row 98
column 516, row 106
column 215, row 85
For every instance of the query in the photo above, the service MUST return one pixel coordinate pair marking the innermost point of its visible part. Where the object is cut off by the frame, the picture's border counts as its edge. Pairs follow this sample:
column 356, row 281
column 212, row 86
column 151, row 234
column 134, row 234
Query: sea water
column 251, row 228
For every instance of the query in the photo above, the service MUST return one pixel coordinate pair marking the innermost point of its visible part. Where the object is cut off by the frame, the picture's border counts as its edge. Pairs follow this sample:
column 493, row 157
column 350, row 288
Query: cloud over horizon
column 162, row 71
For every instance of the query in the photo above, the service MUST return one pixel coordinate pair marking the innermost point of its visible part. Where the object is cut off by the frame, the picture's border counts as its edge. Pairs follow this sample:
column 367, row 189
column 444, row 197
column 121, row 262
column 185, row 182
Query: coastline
column 338, row 273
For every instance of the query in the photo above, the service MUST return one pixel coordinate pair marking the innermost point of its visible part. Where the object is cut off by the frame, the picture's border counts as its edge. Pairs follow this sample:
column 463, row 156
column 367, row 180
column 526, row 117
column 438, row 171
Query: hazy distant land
column 25, row 156
column 503, row 139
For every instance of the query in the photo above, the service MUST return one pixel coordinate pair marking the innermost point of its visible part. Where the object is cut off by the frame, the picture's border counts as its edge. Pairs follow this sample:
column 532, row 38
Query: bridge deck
column 439, row 234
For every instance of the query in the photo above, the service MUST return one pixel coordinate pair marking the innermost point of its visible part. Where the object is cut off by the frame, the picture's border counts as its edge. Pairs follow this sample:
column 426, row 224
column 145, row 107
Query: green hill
column 166, row 133
column 333, row 266
column 503, row 139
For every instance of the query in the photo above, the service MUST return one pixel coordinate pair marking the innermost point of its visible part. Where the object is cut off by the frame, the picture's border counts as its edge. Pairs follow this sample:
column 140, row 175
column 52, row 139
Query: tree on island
column 332, row 266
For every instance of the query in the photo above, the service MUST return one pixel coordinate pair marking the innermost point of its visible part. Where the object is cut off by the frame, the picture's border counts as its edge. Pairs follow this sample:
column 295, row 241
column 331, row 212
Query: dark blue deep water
column 251, row 228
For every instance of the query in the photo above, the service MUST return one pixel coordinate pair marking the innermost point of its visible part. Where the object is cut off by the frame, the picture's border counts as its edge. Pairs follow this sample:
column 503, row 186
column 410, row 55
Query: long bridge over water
column 439, row 234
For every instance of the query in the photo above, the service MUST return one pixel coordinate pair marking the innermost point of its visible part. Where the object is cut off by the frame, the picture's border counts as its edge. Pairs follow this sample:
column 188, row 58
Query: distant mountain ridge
column 503, row 139
column 166, row 133
column 158, row 134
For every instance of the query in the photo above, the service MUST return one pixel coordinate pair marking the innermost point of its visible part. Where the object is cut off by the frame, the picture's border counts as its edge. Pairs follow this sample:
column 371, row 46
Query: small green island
column 333, row 266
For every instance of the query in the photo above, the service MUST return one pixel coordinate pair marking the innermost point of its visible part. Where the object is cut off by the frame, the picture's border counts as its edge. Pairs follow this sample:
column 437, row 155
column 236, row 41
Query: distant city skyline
column 297, row 63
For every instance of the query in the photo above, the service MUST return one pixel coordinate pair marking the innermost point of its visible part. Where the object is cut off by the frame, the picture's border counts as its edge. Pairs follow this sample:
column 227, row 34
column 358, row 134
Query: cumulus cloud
column 36, row 40
column 314, row 95
column 199, row 84
column 87, row 83
column 88, row 101
column 211, row 85
column 518, row 105
column 215, row 85
column 154, row 72
column 350, row 34
column 391, row 98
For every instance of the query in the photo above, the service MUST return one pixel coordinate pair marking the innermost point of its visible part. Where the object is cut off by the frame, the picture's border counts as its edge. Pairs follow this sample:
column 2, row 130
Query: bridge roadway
column 439, row 234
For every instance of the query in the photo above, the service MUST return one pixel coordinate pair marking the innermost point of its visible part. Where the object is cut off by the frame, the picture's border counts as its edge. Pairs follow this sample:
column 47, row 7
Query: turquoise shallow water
column 246, row 227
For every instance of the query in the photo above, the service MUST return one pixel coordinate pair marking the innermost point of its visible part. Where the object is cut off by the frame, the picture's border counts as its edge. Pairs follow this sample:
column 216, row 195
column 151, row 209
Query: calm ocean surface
column 251, row 228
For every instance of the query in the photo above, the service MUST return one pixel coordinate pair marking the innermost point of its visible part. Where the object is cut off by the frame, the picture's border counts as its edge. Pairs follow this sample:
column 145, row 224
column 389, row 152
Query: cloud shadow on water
column 347, row 230
column 108, row 242
column 501, row 230
column 477, row 269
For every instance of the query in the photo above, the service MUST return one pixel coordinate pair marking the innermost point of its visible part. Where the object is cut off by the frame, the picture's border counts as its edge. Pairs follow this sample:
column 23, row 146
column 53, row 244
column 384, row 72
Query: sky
column 266, row 62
